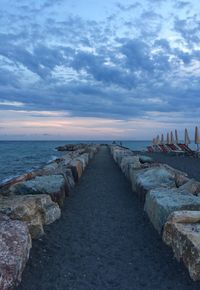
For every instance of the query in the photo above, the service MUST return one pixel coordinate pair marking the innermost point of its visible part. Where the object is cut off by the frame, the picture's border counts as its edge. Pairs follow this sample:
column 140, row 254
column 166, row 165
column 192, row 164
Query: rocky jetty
column 33, row 200
column 171, row 201
column 73, row 147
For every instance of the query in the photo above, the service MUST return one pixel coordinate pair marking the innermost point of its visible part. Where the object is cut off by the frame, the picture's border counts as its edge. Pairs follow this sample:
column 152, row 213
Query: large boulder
column 192, row 186
column 145, row 159
column 35, row 210
column 118, row 153
column 76, row 167
column 92, row 150
column 5, row 186
column 54, row 185
column 155, row 176
column 67, row 159
column 180, row 177
column 71, row 147
column 69, row 178
column 128, row 162
column 161, row 202
column 84, row 158
column 182, row 233
column 146, row 179
column 15, row 244
column 60, row 168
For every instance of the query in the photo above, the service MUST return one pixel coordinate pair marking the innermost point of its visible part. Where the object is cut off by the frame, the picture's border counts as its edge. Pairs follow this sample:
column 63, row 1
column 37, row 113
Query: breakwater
column 85, row 242
column 18, row 157
column 171, row 201
column 33, row 200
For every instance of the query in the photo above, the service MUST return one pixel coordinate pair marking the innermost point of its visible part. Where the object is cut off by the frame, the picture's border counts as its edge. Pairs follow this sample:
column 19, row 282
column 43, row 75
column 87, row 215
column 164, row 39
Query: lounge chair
column 175, row 149
column 163, row 148
column 150, row 149
column 187, row 149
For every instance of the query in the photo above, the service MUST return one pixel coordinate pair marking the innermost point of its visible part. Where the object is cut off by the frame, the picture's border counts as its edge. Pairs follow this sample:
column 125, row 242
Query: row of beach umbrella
column 171, row 139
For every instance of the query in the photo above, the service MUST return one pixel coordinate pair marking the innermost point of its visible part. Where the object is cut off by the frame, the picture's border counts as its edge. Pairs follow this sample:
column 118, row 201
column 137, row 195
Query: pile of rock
column 73, row 147
column 171, row 201
column 33, row 200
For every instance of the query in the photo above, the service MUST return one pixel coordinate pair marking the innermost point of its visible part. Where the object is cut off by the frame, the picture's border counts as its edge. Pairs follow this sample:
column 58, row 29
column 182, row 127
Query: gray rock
column 118, row 153
column 179, row 176
column 14, row 251
column 60, row 169
column 128, row 162
column 84, row 158
column 144, row 180
column 34, row 210
column 192, row 186
column 92, row 150
column 161, row 202
column 76, row 167
column 145, row 159
column 70, row 178
column 182, row 233
column 54, row 185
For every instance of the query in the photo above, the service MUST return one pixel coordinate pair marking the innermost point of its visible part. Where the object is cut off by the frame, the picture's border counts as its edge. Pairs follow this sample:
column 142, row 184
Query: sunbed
column 150, row 149
column 187, row 149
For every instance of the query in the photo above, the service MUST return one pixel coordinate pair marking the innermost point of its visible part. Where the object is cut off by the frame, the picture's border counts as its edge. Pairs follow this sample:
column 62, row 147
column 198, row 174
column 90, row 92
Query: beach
column 188, row 164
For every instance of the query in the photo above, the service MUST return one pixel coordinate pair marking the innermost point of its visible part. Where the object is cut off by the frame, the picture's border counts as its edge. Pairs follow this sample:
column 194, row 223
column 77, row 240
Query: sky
column 98, row 70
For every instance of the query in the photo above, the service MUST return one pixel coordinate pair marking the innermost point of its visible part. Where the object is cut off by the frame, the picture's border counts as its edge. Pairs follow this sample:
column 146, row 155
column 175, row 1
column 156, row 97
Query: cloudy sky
column 88, row 69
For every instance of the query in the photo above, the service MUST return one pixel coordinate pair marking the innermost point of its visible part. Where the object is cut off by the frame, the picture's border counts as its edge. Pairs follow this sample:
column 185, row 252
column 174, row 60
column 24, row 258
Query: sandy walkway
column 103, row 241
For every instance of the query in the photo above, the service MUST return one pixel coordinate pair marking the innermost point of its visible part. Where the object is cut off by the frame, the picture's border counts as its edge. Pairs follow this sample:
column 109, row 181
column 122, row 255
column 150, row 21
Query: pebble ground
column 103, row 241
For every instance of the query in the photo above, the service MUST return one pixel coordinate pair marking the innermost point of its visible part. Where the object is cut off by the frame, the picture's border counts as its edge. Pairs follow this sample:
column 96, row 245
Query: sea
column 18, row 157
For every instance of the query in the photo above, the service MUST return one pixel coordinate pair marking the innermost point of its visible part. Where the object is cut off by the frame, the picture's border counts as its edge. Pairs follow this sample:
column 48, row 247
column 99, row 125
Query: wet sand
column 103, row 241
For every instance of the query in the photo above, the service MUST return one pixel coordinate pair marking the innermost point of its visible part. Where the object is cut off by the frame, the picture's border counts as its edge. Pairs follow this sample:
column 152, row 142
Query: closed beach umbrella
column 157, row 140
column 196, row 137
column 162, row 139
column 171, row 138
column 167, row 141
column 187, row 139
column 176, row 136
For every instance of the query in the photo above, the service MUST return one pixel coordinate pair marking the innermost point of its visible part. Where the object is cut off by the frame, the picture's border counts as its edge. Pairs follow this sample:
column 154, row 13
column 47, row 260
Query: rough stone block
column 182, row 233
column 127, row 162
column 161, row 202
column 35, row 210
column 15, row 245
column 54, row 185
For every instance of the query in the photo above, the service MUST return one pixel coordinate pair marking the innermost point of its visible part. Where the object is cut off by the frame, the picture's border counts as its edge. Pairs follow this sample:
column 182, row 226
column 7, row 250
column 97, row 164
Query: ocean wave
column 10, row 177
column 54, row 157
column 7, row 179
column 28, row 170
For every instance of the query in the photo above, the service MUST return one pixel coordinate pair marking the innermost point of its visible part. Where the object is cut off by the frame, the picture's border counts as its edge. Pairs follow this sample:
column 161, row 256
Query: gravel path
column 103, row 241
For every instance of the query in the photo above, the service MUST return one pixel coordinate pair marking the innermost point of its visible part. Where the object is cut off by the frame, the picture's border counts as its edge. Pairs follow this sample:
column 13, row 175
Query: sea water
column 18, row 157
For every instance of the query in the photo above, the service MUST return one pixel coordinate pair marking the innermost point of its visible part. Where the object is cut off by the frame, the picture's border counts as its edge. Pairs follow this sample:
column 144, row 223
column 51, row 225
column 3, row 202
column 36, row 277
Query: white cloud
column 11, row 103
